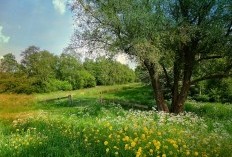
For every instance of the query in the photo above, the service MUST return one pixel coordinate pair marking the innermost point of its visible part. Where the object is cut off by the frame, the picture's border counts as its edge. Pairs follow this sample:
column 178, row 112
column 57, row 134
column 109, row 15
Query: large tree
column 184, row 40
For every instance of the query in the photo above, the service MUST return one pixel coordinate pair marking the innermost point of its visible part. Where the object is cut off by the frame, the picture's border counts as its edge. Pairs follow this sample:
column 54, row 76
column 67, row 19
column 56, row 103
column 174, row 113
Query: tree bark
column 179, row 96
column 156, row 86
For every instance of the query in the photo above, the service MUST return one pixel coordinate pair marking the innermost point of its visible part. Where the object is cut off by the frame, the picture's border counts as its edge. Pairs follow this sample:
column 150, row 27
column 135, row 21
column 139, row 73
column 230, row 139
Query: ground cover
column 30, row 127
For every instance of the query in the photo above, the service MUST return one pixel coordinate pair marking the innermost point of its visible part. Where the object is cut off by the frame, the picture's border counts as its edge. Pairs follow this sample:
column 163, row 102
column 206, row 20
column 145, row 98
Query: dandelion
column 106, row 143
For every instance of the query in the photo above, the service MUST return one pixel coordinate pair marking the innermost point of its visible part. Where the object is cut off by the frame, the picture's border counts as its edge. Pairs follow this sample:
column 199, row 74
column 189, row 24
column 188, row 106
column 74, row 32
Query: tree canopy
column 183, row 40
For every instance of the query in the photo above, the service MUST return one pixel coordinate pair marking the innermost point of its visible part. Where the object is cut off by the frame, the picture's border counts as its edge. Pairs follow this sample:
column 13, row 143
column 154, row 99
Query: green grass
column 30, row 126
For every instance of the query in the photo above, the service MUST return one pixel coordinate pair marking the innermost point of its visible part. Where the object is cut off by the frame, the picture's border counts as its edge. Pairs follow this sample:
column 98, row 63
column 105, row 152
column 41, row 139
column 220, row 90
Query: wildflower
column 126, row 146
column 133, row 144
column 156, row 144
column 175, row 145
column 151, row 151
column 116, row 153
column 107, row 150
column 126, row 138
column 187, row 152
column 106, row 143
column 164, row 155
column 196, row 153
column 159, row 134
column 139, row 152
column 143, row 136
column 110, row 127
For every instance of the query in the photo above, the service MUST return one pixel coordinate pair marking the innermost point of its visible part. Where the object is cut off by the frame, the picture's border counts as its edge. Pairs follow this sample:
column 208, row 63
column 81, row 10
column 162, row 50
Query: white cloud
column 3, row 38
column 59, row 5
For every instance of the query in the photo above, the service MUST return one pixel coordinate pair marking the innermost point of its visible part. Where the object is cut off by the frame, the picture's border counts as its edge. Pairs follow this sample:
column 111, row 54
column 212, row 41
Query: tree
column 186, row 41
column 8, row 64
column 109, row 72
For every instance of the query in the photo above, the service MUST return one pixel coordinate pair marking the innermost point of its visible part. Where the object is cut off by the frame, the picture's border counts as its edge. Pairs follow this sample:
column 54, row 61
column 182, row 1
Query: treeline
column 215, row 90
column 40, row 71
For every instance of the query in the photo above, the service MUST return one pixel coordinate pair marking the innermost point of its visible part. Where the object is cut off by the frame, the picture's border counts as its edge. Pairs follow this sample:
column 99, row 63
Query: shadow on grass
column 136, row 97
column 140, row 95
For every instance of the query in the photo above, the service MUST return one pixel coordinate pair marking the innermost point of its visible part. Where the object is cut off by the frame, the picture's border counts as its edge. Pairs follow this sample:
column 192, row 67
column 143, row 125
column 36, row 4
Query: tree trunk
column 179, row 96
column 156, row 86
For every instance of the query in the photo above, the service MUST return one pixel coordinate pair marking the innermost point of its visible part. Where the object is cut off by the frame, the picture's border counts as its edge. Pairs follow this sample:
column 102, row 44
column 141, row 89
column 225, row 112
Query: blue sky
column 47, row 24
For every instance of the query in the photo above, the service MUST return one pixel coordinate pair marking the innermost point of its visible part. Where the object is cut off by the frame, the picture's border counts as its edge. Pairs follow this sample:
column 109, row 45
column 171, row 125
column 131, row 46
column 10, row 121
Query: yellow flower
column 115, row 147
column 151, row 151
column 164, row 155
column 187, row 152
column 139, row 152
column 157, row 144
column 116, row 153
column 106, row 143
column 110, row 127
column 159, row 134
column 133, row 144
column 126, row 146
column 126, row 138
column 175, row 145
column 107, row 150
column 143, row 136
column 196, row 153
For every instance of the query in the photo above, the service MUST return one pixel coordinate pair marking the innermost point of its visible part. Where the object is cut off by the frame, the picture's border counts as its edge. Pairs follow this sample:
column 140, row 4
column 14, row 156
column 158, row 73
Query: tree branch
column 166, row 75
column 213, row 76
column 208, row 58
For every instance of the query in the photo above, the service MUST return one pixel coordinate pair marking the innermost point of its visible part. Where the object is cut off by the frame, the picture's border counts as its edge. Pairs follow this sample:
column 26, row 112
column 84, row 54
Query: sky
column 47, row 24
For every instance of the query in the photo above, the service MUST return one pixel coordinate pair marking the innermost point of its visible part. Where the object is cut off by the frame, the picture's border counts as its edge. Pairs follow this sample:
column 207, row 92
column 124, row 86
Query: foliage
column 213, row 91
column 42, row 72
column 109, row 72
column 9, row 64
column 184, row 41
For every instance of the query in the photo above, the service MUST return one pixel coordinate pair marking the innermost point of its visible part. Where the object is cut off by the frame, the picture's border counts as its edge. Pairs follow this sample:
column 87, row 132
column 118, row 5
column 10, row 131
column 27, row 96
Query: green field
column 101, row 121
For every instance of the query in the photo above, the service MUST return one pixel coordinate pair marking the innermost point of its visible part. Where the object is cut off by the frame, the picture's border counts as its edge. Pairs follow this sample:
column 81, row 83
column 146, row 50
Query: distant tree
column 186, row 41
column 8, row 64
column 109, row 72
column 40, row 64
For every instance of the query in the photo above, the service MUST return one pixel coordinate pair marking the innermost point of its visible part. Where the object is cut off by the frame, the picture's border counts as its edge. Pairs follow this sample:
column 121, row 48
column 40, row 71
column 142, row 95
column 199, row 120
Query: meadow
column 101, row 122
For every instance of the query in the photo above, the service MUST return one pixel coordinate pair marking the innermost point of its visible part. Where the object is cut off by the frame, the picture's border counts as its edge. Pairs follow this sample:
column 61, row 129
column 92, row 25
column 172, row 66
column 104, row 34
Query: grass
column 30, row 127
